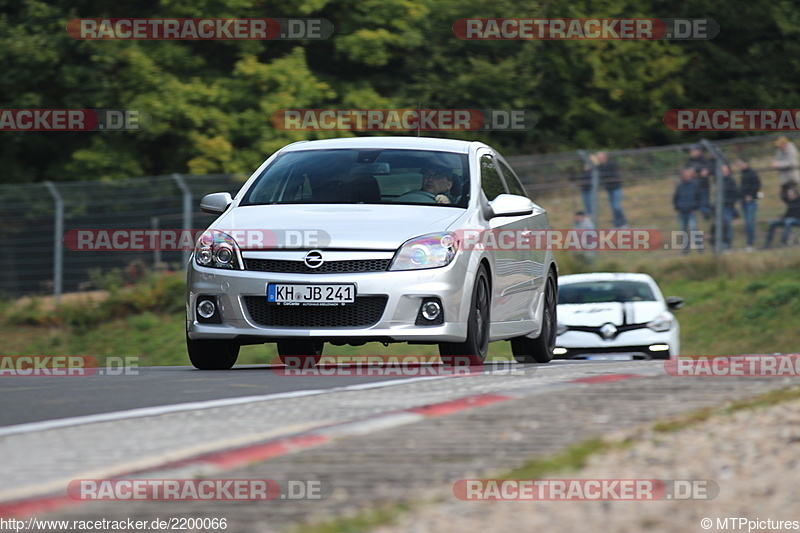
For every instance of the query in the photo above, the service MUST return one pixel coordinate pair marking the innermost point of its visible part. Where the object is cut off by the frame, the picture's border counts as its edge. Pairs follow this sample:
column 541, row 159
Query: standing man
column 609, row 178
column 705, row 169
column 730, row 195
column 786, row 162
column 686, row 201
column 750, row 188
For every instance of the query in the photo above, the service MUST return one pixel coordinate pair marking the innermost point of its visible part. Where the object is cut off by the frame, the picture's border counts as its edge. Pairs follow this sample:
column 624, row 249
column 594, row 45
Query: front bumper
column 638, row 343
column 239, row 295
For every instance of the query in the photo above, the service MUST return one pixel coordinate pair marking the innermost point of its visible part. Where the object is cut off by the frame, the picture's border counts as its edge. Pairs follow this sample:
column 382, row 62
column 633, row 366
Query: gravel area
column 753, row 455
column 422, row 461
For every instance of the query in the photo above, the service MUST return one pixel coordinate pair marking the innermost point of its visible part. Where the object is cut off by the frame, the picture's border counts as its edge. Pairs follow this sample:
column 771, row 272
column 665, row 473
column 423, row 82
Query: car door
column 537, row 223
column 511, row 291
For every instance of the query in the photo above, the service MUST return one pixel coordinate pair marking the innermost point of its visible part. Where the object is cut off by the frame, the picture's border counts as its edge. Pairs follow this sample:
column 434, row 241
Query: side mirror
column 215, row 203
column 511, row 205
column 674, row 302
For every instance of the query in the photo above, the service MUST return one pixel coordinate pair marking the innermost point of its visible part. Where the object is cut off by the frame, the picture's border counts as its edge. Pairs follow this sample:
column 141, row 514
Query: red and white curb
column 230, row 459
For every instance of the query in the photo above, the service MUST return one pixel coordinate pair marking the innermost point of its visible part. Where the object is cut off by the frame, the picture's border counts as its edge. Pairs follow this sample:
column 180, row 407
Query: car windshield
column 605, row 291
column 376, row 176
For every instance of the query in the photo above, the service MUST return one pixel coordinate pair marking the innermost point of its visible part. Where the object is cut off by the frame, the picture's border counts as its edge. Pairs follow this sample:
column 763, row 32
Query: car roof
column 407, row 143
column 605, row 276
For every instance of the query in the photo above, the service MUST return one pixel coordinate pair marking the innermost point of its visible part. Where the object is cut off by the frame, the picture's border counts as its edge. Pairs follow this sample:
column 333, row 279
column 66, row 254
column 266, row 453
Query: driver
column 436, row 183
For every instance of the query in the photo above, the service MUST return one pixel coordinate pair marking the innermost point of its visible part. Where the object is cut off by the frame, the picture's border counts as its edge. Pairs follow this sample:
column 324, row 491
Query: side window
column 511, row 180
column 491, row 183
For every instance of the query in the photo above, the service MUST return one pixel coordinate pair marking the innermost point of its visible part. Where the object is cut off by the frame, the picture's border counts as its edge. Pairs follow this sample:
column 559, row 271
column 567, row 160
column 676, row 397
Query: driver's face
column 435, row 182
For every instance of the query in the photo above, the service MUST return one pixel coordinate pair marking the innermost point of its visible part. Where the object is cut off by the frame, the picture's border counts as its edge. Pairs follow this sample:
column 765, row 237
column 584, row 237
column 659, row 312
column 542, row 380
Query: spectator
column 785, row 161
column 750, row 189
column 730, row 195
column 705, row 169
column 582, row 221
column 789, row 219
column 609, row 178
column 686, row 200
column 585, row 181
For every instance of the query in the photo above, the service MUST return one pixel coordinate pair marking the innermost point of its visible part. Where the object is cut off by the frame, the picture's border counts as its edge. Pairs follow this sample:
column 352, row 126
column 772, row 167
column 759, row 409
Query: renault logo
column 313, row 259
column 608, row 331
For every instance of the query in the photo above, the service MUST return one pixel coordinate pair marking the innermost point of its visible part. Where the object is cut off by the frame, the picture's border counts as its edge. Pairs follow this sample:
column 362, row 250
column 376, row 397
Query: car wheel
column 540, row 349
column 300, row 353
column 212, row 354
column 473, row 350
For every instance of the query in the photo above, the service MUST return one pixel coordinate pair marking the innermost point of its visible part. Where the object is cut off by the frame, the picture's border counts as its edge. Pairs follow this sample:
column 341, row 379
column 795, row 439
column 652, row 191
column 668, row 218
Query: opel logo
column 313, row 259
column 608, row 330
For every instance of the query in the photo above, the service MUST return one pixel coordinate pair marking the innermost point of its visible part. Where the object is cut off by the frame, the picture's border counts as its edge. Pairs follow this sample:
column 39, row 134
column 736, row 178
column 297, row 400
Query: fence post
column 595, row 186
column 155, row 225
column 719, row 194
column 58, row 242
column 187, row 211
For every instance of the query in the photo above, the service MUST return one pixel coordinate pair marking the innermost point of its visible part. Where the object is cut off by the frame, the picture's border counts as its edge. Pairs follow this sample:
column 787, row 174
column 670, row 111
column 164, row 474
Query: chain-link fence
column 34, row 218
column 649, row 177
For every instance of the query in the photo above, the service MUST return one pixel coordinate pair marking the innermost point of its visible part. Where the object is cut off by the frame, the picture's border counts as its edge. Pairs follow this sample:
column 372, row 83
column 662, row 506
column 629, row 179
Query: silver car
column 348, row 241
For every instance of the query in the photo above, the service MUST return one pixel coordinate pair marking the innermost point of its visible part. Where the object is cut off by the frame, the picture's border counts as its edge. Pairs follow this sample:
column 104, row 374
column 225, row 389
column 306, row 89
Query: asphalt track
column 40, row 398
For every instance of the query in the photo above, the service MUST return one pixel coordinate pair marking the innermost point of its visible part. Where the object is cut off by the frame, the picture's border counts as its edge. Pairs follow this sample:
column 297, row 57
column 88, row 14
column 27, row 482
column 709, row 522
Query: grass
column 734, row 304
column 570, row 460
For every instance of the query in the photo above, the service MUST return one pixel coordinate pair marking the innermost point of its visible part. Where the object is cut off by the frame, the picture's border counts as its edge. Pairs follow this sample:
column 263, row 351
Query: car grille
column 299, row 267
column 366, row 311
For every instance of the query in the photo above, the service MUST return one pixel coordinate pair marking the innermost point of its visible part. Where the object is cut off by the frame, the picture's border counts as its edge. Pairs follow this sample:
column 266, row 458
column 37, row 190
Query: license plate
column 611, row 357
column 316, row 294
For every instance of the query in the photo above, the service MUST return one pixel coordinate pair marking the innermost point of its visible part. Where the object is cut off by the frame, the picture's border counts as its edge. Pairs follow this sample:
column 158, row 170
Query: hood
column 350, row 226
column 595, row 315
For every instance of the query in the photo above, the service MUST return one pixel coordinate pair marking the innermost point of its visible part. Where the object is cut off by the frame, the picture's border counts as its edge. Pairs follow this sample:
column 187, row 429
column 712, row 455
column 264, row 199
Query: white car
column 388, row 261
column 615, row 316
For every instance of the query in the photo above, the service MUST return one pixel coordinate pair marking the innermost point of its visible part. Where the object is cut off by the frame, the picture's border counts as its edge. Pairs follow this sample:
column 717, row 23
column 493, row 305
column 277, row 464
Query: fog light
column 206, row 309
column 431, row 310
column 659, row 347
column 559, row 351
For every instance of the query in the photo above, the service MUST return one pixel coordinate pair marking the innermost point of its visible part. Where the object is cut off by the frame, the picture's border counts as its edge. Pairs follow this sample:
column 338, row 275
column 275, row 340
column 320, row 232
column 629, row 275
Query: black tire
column 212, row 354
column 473, row 350
column 300, row 353
column 540, row 349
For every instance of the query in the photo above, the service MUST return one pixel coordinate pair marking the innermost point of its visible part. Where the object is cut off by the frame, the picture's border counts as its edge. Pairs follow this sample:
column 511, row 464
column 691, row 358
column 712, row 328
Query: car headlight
column 215, row 249
column 662, row 322
column 428, row 251
column 561, row 328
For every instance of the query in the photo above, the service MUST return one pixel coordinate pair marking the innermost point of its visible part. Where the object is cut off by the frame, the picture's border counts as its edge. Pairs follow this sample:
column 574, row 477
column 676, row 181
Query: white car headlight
column 428, row 251
column 662, row 322
column 215, row 249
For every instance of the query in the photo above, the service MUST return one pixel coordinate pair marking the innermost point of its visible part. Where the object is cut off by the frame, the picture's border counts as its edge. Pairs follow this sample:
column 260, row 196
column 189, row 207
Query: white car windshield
column 374, row 176
column 605, row 291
